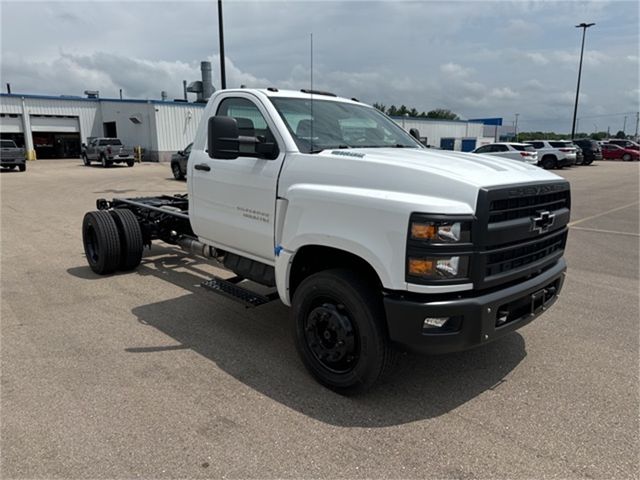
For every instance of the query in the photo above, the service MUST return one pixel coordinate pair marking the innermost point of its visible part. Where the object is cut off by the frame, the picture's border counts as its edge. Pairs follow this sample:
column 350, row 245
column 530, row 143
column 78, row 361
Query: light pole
column 515, row 128
column 584, row 27
column 223, row 76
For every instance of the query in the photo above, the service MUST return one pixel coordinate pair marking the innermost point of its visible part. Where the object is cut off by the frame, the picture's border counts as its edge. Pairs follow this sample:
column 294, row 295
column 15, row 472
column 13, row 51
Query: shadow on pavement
column 255, row 346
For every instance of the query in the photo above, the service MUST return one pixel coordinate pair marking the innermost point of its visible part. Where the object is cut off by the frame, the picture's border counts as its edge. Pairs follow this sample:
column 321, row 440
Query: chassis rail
column 164, row 217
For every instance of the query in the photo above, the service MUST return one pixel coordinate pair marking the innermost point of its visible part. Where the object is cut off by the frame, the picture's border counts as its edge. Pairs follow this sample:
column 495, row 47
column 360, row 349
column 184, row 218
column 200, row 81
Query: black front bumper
column 477, row 319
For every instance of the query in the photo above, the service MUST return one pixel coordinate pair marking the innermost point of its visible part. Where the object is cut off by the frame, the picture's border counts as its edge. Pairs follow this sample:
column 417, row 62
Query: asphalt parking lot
column 145, row 374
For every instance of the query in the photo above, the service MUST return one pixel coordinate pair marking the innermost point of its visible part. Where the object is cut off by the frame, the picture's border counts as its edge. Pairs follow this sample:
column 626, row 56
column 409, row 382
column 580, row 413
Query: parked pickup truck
column 12, row 156
column 107, row 151
column 374, row 241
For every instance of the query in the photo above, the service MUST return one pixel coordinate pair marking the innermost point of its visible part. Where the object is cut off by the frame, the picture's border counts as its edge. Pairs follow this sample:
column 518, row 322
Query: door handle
column 202, row 166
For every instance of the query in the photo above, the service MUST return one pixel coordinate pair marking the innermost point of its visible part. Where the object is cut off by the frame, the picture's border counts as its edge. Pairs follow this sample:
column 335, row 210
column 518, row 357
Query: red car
column 615, row 152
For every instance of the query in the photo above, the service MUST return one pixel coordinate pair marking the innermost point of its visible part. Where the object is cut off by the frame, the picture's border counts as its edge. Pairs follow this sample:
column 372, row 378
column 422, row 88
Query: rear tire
column 340, row 334
column 101, row 242
column 177, row 173
column 548, row 162
column 131, row 242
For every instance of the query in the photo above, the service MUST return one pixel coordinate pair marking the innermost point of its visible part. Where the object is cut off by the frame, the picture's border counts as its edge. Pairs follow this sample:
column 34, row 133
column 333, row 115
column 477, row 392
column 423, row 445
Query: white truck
column 374, row 241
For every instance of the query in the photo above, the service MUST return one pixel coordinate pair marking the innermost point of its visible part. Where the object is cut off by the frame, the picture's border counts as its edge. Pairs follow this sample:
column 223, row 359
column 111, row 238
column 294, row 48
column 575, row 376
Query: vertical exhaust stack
column 207, row 83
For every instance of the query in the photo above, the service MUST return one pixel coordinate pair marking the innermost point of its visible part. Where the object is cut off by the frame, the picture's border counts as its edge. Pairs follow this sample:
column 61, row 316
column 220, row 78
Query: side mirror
column 415, row 133
column 268, row 150
column 222, row 136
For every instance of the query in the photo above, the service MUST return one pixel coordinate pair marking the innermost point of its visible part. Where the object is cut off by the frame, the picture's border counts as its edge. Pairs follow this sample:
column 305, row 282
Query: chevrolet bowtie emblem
column 543, row 221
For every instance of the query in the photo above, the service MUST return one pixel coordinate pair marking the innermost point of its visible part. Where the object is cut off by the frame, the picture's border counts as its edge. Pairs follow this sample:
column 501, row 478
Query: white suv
column 515, row 151
column 555, row 153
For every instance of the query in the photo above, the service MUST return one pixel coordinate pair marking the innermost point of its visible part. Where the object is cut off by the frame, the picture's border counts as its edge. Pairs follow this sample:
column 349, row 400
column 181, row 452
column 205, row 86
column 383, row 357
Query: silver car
column 512, row 150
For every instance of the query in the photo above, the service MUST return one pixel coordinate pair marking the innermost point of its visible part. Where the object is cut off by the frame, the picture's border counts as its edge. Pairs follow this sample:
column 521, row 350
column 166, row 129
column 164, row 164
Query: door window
column 251, row 123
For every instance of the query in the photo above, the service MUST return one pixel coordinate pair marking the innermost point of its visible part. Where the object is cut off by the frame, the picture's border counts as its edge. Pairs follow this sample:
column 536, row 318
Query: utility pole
column 223, row 76
column 515, row 128
column 624, row 126
column 637, row 121
column 584, row 27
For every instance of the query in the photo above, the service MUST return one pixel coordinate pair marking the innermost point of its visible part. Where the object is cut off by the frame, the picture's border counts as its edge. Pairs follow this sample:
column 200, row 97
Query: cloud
column 109, row 72
column 537, row 58
column 503, row 93
column 455, row 70
column 517, row 27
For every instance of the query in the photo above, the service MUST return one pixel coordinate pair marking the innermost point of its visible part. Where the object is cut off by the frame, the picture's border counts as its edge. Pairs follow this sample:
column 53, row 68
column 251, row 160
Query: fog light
column 434, row 322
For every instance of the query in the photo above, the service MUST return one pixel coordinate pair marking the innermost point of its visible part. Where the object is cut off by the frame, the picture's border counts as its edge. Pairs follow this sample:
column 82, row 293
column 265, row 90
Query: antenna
column 311, row 139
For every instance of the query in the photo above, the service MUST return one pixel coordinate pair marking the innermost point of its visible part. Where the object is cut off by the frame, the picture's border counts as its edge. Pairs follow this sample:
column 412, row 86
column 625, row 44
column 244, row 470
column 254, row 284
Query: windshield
column 7, row 144
column 339, row 125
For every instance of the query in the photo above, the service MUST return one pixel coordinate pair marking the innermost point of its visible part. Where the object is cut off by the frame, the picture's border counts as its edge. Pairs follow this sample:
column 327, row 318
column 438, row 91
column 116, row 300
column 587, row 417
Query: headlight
column 439, row 267
column 441, row 231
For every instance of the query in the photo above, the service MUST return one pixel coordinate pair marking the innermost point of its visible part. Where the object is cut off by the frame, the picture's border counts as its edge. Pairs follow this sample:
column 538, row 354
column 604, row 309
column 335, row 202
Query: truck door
column 232, row 202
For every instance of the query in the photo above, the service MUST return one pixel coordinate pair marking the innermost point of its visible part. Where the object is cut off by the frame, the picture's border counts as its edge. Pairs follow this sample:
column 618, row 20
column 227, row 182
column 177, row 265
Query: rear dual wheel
column 112, row 241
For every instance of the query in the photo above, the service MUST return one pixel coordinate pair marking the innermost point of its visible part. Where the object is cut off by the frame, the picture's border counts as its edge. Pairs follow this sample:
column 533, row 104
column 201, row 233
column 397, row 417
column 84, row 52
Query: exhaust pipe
column 195, row 247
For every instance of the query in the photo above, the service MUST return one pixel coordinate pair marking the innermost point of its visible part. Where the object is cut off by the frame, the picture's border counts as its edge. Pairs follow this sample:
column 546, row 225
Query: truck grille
column 511, row 208
column 521, row 255
column 510, row 245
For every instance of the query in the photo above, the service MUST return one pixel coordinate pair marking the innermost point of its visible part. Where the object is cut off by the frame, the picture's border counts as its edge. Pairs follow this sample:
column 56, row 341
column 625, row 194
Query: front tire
column 105, row 163
column 101, row 242
column 626, row 157
column 130, row 163
column 177, row 173
column 86, row 160
column 22, row 167
column 340, row 334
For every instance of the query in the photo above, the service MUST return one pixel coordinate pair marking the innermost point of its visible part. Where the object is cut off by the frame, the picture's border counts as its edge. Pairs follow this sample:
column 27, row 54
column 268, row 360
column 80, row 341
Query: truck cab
column 376, row 242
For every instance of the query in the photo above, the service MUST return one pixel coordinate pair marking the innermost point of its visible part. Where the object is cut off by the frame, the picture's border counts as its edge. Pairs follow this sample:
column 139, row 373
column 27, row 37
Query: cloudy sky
column 479, row 58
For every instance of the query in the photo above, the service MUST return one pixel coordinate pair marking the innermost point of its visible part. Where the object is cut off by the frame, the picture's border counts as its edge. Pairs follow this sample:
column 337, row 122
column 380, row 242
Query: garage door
column 54, row 124
column 10, row 123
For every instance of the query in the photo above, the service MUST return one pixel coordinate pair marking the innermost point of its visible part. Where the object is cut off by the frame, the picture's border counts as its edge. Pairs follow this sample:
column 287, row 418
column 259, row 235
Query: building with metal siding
column 446, row 134
column 57, row 126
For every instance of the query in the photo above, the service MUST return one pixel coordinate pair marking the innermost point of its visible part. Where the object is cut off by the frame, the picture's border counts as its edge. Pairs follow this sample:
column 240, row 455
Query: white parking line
column 603, row 213
column 606, row 231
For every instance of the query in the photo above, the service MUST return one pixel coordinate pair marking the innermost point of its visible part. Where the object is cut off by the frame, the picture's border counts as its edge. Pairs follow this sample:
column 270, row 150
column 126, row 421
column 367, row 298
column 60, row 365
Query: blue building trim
column 98, row 100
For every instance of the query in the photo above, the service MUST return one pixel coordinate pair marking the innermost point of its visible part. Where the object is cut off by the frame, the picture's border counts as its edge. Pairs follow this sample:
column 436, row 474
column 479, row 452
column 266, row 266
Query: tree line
column 404, row 111
column 522, row 136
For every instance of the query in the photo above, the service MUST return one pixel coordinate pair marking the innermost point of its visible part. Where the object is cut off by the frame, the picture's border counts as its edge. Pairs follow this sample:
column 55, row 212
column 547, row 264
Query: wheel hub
column 329, row 333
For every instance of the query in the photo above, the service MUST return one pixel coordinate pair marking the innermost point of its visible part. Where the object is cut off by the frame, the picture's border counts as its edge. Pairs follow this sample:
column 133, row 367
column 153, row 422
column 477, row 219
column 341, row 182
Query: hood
column 429, row 180
column 470, row 168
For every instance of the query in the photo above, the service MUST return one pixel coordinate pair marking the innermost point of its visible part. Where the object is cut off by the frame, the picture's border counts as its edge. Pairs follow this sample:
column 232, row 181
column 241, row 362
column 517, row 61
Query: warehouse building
column 458, row 135
column 56, row 127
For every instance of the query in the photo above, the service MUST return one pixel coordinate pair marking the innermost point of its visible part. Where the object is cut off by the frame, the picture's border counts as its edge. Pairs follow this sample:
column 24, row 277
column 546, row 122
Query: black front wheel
column 340, row 333
column 86, row 160
column 177, row 173
column 22, row 167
